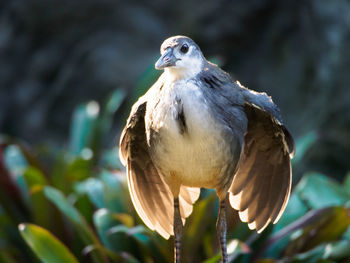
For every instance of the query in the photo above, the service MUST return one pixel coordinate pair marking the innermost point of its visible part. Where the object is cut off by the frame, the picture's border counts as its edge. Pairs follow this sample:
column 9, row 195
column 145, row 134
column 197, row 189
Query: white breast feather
column 197, row 156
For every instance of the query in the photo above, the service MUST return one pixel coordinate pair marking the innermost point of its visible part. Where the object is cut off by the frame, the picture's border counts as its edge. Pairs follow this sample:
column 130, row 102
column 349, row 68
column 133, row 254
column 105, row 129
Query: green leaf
column 104, row 220
column 214, row 259
column 107, row 191
column 16, row 164
column 59, row 168
column 56, row 197
column 294, row 210
column 6, row 257
column 303, row 144
column 277, row 242
column 266, row 260
column 311, row 256
column 140, row 241
column 34, row 177
column 114, row 101
column 119, row 236
column 115, row 257
column 94, row 188
column 337, row 250
column 347, row 183
column 46, row 246
column 36, row 180
column 83, row 205
column 14, row 159
column 234, row 248
column 79, row 169
column 319, row 191
column 110, row 159
column 104, row 123
column 116, row 192
column 200, row 219
column 83, row 127
column 85, row 232
column 329, row 227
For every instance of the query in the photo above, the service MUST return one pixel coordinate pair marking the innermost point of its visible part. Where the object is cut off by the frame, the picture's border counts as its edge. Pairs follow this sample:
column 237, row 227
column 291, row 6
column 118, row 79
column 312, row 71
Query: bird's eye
column 184, row 48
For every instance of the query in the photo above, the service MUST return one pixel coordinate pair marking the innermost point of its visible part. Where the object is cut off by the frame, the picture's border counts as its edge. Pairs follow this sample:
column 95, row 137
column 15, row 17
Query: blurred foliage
column 79, row 210
column 69, row 203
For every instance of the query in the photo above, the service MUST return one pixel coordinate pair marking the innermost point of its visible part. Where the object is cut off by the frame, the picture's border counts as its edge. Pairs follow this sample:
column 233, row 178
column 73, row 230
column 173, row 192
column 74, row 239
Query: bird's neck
column 176, row 74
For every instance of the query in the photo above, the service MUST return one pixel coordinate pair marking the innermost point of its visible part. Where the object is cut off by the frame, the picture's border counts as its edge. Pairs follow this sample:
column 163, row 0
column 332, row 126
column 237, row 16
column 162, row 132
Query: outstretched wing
column 261, row 187
column 150, row 195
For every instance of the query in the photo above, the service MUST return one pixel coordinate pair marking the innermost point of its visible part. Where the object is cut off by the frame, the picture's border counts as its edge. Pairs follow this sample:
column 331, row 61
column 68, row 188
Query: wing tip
column 122, row 158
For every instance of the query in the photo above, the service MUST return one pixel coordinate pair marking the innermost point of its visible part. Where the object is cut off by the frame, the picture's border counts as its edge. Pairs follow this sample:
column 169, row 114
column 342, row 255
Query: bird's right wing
column 150, row 195
column 261, row 187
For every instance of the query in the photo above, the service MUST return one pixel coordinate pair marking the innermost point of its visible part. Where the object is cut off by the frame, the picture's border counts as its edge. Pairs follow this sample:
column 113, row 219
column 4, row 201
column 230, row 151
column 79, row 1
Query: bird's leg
column 177, row 230
column 221, row 229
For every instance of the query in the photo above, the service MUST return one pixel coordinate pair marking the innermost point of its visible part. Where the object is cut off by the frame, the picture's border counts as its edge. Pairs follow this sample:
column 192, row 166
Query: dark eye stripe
column 184, row 48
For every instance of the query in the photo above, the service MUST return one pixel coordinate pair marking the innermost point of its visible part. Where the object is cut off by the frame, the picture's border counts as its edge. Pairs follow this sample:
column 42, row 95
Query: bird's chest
column 186, row 140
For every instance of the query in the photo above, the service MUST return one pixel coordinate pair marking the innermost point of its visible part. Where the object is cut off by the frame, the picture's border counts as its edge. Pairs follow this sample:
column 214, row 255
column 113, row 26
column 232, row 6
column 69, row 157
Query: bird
column 197, row 127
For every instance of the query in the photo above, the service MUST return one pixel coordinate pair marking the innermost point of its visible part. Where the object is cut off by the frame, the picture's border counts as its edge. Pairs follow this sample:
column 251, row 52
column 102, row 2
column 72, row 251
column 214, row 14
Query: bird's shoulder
column 218, row 82
column 233, row 98
column 217, row 79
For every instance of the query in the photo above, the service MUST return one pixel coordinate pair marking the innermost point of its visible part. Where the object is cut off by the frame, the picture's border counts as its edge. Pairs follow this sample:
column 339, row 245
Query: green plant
column 78, row 208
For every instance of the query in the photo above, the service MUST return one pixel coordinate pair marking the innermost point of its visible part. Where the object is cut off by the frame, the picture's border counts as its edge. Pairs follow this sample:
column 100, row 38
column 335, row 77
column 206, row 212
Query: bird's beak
column 166, row 60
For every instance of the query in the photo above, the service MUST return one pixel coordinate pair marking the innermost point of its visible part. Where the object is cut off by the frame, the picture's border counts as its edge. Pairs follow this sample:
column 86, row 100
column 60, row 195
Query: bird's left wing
column 150, row 195
column 261, row 187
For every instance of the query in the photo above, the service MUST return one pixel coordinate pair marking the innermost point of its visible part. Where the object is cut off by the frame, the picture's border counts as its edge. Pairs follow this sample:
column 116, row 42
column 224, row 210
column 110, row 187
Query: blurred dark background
column 56, row 54
column 70, row 71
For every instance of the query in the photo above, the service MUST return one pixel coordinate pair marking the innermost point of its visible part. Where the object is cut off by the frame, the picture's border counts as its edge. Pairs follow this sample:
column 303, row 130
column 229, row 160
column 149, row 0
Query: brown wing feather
column 261, row 187
column 150, row 195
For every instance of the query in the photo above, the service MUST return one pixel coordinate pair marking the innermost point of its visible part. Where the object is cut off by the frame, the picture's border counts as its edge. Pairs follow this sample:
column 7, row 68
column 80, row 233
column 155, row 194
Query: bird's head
column 181, row 57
